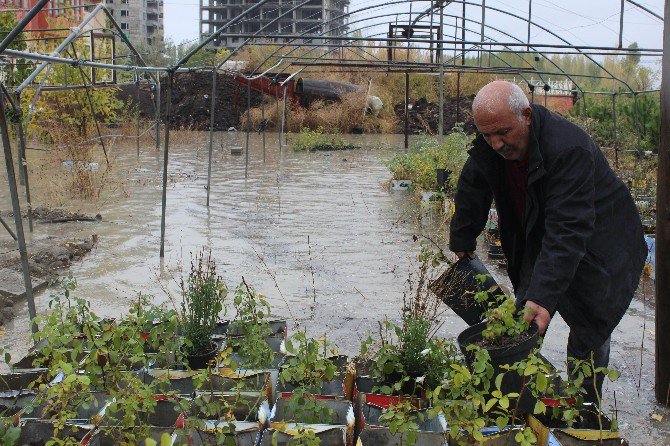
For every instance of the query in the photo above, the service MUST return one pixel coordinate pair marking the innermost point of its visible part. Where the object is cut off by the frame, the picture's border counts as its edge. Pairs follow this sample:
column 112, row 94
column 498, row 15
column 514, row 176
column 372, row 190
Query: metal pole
column 4, row 223
column 18, row 222
column 90, row 104
column 440, row 125
column 458, row 97
column 24, row 162
column 282, row 140
column 248, row 128
column 406, row 110
column 432, row 58
column 168, row 107
column 263, row 125
column 92, row 43
column 137, row 121
column 640, row 152
column 277, row 114
column 482, row 31
column 463, row 36
column 530, row 10
column 663, row 229
column 114, row 73
column 158, row 115
column 614, row 136
column 211, row 133
column 21, row 25
column 621, row 24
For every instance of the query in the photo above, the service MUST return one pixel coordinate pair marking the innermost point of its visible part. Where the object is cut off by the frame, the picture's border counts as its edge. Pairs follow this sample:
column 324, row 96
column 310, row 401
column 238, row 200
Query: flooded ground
column 320, row 234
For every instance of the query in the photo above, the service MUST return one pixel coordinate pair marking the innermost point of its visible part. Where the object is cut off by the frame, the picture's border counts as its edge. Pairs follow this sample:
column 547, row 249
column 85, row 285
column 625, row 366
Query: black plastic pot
column 200, row 360
column 457, row 286
column 500, row 356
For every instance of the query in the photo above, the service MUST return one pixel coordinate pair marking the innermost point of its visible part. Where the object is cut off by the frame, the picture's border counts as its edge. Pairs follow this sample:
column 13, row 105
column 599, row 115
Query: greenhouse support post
column 248, row 129
column 137, row 118
column 158, row 116
column 282, row 141
column 263, row 125
column 440, row 56
column 166, row 151
column 406, row 110
column 663, row 228
column 211, row 133
column 16, row 209
column 23, row 163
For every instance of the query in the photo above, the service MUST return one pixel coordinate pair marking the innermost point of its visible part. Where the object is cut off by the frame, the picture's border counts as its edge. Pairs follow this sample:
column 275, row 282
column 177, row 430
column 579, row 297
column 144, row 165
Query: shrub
column 423, row 160
column 202, row 300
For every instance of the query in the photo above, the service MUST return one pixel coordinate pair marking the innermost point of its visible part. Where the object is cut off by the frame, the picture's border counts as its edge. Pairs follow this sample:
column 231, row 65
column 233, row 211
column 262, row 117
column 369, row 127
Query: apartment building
column 316, row 17
column 141, row 20
column 72, row 10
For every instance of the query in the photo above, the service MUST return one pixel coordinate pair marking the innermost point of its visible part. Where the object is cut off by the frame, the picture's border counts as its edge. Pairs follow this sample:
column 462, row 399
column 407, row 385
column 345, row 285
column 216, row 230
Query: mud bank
column 48, row 257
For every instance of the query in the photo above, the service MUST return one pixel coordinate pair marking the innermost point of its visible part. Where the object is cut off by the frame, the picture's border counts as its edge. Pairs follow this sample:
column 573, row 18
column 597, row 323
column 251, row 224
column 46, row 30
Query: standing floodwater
column 319, row 234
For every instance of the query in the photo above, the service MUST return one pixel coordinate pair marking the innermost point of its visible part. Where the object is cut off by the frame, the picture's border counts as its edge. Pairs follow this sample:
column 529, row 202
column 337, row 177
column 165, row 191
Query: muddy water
column 319, row 234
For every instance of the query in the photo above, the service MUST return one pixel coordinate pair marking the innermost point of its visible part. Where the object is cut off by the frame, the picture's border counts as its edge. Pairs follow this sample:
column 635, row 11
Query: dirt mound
column 191, row 101
column 424, row 116
column 56, row 215
column 47, row 258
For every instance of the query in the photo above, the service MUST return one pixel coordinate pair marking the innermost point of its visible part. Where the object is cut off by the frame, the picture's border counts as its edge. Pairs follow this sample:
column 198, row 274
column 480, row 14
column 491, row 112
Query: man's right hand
column 460, row 254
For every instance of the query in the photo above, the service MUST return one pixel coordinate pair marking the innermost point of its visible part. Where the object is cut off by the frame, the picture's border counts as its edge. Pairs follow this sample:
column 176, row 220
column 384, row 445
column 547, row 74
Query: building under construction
column 315, row 17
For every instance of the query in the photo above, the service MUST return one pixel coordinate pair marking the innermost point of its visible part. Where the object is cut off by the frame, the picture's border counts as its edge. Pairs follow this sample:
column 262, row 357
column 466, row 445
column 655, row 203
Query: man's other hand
column 460, row 254
column 538, row 314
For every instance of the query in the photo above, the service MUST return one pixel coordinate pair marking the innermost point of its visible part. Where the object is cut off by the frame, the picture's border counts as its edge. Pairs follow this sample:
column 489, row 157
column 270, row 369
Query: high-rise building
column 141, row 20
column 316, row 17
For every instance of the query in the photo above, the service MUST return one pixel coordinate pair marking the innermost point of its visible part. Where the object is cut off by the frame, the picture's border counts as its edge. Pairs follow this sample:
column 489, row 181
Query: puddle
column 319, row 234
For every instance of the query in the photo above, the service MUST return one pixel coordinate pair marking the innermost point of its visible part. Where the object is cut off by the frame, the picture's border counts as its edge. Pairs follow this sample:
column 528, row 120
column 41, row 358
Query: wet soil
column 48, row 258
column 331, row 148
column 503, row 342
column 55, row 215
column 191, row 101
column 424, row 116
column 319, row 234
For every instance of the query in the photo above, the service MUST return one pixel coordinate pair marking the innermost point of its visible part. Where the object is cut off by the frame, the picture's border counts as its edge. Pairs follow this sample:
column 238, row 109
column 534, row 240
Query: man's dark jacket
column 582, row 250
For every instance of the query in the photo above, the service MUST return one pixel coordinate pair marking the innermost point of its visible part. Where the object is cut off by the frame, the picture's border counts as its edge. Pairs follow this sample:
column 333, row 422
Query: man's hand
column 460, row 254
column 538, row 314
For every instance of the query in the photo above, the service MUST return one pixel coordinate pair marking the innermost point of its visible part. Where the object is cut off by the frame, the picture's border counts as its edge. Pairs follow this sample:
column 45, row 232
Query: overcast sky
column 585, row 22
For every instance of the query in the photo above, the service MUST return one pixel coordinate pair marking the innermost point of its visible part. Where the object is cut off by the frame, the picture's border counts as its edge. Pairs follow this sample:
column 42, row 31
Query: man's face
column 504, row 133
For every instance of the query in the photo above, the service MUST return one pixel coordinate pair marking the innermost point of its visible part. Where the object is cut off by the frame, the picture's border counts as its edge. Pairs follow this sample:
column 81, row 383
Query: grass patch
column 310, row 140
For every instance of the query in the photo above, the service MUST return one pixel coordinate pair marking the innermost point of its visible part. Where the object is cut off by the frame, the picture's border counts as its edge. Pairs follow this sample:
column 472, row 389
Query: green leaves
column 420, row 164
column 247, row 332
column 203, row 296
column 311, row 363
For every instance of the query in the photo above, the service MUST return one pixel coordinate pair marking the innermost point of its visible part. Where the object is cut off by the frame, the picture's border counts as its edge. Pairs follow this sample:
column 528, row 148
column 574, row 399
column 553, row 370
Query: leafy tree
column 17, row 69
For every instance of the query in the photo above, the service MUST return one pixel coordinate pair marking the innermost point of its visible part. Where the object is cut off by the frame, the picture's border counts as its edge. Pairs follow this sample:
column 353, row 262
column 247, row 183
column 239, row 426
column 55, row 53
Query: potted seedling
column 250, row 330
column 507, row 338
column 561, row 407
column 203, row 296
column 314, row 365
column 407, row 352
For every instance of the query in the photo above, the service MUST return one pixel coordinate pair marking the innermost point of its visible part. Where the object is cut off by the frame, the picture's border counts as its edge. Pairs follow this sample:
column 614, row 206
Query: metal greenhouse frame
column 447, row 24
